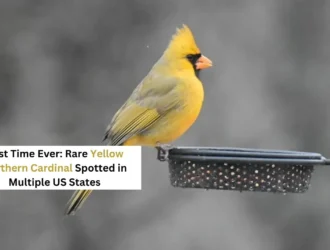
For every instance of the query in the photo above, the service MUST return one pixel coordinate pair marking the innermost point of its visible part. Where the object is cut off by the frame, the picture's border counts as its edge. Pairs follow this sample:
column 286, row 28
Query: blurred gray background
column 67, row 66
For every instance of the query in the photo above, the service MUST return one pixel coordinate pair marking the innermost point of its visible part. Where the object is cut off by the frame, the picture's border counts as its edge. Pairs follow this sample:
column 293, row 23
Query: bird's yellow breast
column 175, row 123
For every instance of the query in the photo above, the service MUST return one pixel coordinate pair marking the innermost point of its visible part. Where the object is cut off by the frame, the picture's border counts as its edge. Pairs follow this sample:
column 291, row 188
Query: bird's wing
column 152, row 98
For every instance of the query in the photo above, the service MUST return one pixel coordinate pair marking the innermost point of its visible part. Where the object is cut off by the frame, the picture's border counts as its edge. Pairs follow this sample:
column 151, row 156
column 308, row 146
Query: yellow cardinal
column 163, row 106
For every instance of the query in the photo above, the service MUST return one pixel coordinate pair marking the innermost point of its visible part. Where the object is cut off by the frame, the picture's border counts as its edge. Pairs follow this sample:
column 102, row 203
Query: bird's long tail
column 76, row 201
column 80, row 196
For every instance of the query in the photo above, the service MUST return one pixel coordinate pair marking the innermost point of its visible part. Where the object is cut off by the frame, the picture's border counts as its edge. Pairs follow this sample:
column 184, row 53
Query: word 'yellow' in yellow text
column 106, row 153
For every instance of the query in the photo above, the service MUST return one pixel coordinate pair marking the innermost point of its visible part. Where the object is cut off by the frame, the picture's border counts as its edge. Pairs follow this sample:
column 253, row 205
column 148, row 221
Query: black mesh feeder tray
column 241, row 169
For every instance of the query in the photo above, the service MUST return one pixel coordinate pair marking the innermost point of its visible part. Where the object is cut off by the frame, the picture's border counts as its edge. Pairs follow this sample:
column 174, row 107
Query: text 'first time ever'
column 15, row 153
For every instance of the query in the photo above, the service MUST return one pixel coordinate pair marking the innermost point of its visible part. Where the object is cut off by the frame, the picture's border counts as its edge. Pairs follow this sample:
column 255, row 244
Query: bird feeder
column 241, row 169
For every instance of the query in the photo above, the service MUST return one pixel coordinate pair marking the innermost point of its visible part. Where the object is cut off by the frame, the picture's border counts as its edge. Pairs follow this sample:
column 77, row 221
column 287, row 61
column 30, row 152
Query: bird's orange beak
column 203, row 63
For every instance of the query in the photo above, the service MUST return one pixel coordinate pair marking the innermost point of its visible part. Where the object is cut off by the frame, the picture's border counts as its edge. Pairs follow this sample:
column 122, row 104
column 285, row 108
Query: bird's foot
column 163, row 151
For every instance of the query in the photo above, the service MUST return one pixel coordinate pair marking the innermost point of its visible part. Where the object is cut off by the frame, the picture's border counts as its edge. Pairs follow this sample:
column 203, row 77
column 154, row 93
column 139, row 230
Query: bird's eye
column 190, row 57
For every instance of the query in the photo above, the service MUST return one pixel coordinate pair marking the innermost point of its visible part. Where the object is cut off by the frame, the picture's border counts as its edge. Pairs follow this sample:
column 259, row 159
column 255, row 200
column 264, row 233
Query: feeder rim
column 246, row 155
column 239, row 149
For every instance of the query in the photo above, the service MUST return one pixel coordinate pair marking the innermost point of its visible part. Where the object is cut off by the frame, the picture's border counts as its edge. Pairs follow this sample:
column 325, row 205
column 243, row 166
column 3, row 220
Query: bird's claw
column 163, row 151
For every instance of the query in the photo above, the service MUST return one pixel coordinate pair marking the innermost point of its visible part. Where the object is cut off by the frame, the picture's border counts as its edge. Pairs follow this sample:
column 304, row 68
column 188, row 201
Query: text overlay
column 70, row 167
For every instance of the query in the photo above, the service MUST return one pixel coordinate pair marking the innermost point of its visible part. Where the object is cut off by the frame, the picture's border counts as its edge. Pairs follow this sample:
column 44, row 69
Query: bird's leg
column 163, row 151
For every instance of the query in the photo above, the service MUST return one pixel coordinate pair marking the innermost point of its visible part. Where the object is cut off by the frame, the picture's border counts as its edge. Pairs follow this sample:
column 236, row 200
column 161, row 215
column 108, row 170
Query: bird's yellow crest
column 182, row 43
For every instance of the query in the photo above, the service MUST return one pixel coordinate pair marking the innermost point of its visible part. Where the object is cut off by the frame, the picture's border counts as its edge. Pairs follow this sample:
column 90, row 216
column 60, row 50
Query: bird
column 163, row 106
